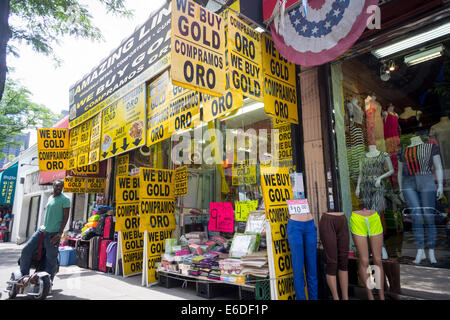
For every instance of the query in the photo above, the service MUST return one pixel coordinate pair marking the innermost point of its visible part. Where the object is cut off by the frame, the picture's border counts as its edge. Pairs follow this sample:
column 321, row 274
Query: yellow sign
column 243, row 174
column 155, row 247
column 74, row 140
column 85, row 135
column 197, row 48
column 283, row 140
column 181, row 186
column 123, row 126
column 245, row 58
column 53, row 149
column 122, row 164
column 276, row 186
column 96, row 137
column 74, row 185
column 127, row 222
column 279, row 89
column 157, row 199
column 90, row 169
column 217, row 107
column 95, row 185
column 243, row 208
column 184, row 109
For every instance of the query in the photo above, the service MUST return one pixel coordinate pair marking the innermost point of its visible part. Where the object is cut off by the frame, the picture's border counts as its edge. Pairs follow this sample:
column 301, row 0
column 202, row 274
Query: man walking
column 56, row 216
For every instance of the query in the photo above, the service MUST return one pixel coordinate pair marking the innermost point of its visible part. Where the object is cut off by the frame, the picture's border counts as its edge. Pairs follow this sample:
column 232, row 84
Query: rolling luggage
column 108, row 230
column 111, row 256
column 102, row 255
column 100, row 225
column 94, row 248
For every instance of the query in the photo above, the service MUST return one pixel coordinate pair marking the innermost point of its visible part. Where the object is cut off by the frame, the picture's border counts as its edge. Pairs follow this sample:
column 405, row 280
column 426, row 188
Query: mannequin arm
column 387, row 174
column 439, row 175
column 359, row 180
column 400, row 178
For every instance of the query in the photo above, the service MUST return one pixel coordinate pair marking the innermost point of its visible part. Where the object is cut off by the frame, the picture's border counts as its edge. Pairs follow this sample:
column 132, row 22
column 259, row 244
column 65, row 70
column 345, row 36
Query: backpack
column 100, row 225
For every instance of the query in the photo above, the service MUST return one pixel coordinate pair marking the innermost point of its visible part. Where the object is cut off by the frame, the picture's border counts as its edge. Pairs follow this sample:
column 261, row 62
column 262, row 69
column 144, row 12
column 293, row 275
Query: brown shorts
column 335, row 238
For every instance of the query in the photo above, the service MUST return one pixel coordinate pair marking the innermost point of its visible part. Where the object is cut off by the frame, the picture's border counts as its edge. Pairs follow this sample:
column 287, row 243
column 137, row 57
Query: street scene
column 225, row 150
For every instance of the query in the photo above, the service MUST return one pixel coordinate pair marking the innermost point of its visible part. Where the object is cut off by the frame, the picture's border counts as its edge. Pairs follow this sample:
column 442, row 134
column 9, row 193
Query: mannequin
column 366, row 225
column 302, row 238
column 371, row 176
column 418, row 189
column 355, row 145
column 441, row 133
column 374, row 123
column 409, row 120
column 334, row 235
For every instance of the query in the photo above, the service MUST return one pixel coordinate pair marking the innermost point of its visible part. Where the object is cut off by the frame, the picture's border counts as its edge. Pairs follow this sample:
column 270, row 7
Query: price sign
column 298, row 206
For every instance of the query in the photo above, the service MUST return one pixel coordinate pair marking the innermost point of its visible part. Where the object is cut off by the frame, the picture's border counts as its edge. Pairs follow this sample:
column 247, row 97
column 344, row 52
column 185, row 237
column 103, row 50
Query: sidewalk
column 74, row 283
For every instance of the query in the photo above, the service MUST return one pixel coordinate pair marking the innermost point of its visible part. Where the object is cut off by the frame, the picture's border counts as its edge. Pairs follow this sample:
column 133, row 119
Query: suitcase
column 100, row 225
column 108, row 230
column 94, row 248
column 111, row 256
column 102, row 255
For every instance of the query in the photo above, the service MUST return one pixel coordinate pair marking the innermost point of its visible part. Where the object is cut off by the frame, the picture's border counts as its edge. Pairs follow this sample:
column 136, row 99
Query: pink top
column 391, row 125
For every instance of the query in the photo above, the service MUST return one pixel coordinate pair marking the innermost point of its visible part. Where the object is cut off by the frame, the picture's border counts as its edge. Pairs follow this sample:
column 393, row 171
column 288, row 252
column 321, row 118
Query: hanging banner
column 280, row 94
column 197, row 48
column 171, row 109
column 74, row 142
column 181, row 184
column 96, row 137
column 123, row 162
column 157, row 212
column 243, row 173
column 245, row 58
column 8, row 180
column 84, row 144
column 217, row 107
column 74, row 185
column 276, row 187
column 243, row 208
column 138, row 58
column 53, row 149
column 127, row 223
column 283, row 141
column 86, row 170
column 95, row 185
column 123, row 126
column 221, row 217
column 324, row 33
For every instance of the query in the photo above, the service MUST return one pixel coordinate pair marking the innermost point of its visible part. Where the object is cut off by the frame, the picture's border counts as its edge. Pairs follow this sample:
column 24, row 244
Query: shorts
column 366, row 226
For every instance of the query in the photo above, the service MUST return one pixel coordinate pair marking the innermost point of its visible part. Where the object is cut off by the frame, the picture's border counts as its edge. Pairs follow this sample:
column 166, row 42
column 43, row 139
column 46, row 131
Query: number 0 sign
column 221, row 217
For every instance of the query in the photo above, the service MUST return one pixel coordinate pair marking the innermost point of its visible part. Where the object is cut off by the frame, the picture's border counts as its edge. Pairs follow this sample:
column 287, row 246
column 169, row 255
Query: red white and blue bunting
column 319, row 31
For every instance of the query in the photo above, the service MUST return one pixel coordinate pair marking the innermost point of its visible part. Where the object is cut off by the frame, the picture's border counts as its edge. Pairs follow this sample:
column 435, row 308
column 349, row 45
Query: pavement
column 74, row 283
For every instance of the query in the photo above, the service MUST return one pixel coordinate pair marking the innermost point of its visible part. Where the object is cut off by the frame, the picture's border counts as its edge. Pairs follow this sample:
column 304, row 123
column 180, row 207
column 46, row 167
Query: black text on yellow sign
column 243, row 174
column 95, row 185
column 75, row 185
column 245, row 58
column 90, row 169
column 181, row 186
column 217, row 107
column 197, row 48
column 123, row 124
column 155, row 249
column 53, row 149
column 122, row 164
column 283, row 140
column 96, row 131
column 279, row 87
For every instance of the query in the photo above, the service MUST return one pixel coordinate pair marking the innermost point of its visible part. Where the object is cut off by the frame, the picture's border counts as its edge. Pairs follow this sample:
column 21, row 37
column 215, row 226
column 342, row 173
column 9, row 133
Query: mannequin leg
column 414, row 205
column 329, row 241
column 428, row 199
column 376, row 243
column 310, row 247
column 343, row 282
column 295, row 238
column 332, row 284
column 363, row 256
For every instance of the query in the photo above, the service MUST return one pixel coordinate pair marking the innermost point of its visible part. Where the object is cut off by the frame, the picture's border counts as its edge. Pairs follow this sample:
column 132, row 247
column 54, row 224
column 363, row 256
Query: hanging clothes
column 374, row 124
column 392, row 141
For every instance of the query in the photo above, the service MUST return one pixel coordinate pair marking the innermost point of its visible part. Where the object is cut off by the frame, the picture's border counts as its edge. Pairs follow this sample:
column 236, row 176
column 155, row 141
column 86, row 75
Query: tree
column 18, row 113
column 40, row 23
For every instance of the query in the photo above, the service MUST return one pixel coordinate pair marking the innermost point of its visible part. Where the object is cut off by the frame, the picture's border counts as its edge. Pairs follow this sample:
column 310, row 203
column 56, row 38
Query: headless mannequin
column 355, row 111
column 373, row 152
column 415, row 141
column 410, row 112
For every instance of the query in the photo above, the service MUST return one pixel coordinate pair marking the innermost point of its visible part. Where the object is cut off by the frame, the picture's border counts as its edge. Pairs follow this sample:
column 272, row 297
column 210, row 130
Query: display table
column 206, row 288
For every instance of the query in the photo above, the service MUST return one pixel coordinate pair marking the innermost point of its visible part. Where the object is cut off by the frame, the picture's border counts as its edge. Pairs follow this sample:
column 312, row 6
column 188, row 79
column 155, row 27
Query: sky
column 50, row 84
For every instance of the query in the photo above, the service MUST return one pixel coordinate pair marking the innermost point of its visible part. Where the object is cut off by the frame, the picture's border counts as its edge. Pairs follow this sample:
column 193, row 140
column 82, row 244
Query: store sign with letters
column 157, row 209
column 123, row 162
column 95, row 185
column 96, row 137
column 221, row 217
column 276, row 186
column 53, row 149
column 243, row 174
column 131, row 239
column 217, row 107
column 139, row 57
column 123, row 126
column 245, row 58
column 181, row 185
column 74, row 185
column 280, row 93
column 197, row 48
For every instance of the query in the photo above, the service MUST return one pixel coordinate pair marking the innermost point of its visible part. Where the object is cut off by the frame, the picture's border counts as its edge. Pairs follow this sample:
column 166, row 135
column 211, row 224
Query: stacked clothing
column 256, row 264
column 230, row 266
column 195, row 237
column 214, row 275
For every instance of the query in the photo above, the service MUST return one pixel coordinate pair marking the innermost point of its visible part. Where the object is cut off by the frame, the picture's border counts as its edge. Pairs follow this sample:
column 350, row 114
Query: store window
column 392, row 127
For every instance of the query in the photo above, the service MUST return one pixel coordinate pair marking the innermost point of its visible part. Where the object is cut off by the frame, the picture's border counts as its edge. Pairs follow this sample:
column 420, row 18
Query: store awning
column 319, row 32
column 47, row 177
column 8, row 180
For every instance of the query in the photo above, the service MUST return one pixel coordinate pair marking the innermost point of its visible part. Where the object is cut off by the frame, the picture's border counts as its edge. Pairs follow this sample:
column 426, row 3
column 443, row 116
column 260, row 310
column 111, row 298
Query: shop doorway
column 33, row 216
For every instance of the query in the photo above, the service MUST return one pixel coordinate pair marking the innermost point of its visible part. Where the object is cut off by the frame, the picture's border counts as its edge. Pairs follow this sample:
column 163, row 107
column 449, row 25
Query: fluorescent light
column 424, row 55
column 246, row 109
column 412, row 41
column 259, row 29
